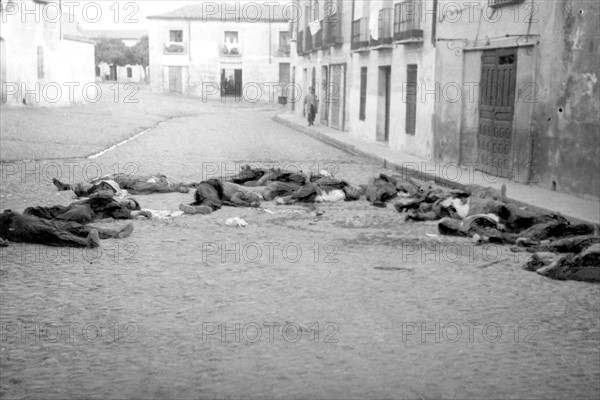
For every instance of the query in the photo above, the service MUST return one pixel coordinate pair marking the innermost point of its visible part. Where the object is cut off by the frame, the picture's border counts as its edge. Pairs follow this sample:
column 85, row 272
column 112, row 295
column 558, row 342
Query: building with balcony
column 393, row 59
column 43, row 61
column 212, row 49
column 322, row 59
column 520, row 92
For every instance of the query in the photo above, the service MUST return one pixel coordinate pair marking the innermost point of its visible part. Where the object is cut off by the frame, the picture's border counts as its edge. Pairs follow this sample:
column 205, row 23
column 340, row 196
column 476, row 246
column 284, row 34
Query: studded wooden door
column 496, row 111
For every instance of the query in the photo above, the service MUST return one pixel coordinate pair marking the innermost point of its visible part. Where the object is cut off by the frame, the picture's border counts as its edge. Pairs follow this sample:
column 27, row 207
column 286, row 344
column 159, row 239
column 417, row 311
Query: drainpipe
column 434, row 24
column 189, row 55
column 60, row 34
column 532, row 132
column 352, row 25
column 270, row 40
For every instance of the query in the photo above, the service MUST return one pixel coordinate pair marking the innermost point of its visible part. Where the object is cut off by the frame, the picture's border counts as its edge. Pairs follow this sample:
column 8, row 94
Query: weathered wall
column 447, row 115
column 567, row 118
column 555, row 139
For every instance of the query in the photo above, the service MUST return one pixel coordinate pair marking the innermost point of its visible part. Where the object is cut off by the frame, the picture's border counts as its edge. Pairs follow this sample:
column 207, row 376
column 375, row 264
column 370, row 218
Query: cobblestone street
column 340, row 300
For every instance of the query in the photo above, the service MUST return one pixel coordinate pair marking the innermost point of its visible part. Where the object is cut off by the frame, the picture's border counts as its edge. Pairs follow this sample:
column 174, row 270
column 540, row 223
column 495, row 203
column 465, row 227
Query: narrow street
column 339, row 301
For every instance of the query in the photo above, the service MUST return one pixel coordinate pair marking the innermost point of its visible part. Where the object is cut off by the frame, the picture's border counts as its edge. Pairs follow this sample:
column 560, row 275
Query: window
column 411, row 99
column 284, row 42
column 363, row 94
column 176, row 36
column 40, row 62
column 231, row 37
column 231, row 45
column 129, row 72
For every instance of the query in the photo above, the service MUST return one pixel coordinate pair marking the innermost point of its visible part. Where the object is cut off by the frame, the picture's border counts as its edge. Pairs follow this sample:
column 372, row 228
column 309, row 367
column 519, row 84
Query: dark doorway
column 336, row 96
column 292, row 95
column 284, row 80
column 496, row 111
column 325, row 92
column 231, row 82
column 383, row 103
column 113, row 72
column 411, row 99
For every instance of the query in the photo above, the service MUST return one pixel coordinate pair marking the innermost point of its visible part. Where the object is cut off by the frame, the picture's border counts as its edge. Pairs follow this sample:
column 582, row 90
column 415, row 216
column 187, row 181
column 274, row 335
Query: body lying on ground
column 134, row 184
column 249, row 176
column 19, row 228
column 582, row 266
column 212, row 194
column 89, row 210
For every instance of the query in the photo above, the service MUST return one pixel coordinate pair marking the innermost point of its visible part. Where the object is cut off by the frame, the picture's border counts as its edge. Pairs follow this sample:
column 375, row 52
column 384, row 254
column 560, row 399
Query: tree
column 112, row 52
column 140, row 54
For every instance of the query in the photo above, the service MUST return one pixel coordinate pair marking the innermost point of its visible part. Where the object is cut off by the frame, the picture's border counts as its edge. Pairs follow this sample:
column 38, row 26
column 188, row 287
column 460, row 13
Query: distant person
column 310, row 106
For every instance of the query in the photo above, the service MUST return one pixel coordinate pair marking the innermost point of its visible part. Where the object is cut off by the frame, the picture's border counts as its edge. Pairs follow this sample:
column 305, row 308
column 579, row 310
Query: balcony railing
column 300, row 43
column 231, row 50
column 407, row 21
column 175, row 48
column 499, row 3
column 308, row 41
column 318, row 37
column 360, row 34
column 384, row 28
column 332, row 30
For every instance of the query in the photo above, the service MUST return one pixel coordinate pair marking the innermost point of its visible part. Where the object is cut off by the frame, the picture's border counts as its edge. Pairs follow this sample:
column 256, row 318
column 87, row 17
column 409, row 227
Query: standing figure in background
column 310, row 106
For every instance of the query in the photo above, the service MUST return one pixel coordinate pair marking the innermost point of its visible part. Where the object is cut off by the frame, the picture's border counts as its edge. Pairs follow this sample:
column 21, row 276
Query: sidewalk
column 532, row 197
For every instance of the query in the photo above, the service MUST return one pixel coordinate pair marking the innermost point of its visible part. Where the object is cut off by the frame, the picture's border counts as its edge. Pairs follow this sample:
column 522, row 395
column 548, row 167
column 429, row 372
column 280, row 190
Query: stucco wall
column 64, row 61
column 398, row 57
column 567, row 118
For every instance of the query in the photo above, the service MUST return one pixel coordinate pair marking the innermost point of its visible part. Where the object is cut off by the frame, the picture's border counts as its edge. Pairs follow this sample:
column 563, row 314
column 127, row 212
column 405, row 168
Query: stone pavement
column 535, row 198
column 375, row 306
column 43, row 133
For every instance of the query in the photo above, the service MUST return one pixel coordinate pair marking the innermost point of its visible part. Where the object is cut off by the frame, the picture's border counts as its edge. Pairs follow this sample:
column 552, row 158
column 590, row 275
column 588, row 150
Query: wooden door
column 496, row 111
column 237, row 77
column 175, row 79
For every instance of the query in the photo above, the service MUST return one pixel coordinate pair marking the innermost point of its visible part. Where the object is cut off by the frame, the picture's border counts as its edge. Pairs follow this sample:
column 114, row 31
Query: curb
column 423, row 176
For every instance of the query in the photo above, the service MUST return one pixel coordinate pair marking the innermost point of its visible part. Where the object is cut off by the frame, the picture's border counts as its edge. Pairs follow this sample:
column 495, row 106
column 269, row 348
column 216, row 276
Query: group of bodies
column 107, row 197
column 479, row 212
